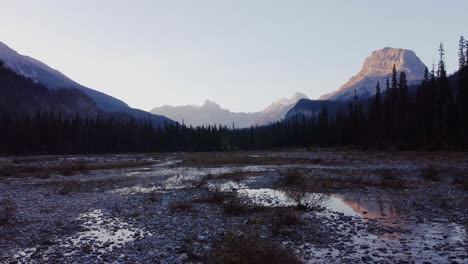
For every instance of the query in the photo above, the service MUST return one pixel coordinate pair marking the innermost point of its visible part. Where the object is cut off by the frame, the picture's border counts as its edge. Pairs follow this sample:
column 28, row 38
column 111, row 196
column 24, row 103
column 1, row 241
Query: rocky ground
column 295, row 206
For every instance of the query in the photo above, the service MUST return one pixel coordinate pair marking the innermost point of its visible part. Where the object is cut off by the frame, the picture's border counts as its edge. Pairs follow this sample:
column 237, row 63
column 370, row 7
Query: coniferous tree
column 462, row 60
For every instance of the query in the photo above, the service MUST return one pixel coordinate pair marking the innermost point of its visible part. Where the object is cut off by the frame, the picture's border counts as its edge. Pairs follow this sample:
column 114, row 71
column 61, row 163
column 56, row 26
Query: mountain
column 377, row 67
column 211, row 113
column 309, row 108
column 207, row 114
column 277, row 110
column 21, row 95
column 53, row 79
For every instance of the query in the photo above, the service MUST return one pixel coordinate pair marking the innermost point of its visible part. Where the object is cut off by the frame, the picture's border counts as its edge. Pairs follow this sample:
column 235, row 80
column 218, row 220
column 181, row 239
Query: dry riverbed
column 295, row 206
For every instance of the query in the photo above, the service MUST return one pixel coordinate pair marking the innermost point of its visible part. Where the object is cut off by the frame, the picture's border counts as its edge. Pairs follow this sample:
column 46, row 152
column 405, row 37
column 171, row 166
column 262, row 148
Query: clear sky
column 243, row 54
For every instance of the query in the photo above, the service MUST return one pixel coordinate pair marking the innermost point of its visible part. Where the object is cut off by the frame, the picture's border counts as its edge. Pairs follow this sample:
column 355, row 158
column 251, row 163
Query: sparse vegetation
column 293, row 177
column 7, row 210
column 154, row 196
column 241, row 248
column 68, row 168
column 199, row 181
column 7, row 170
column 306, row 200
column 181, row 207
column 217, row 196
column 430, row 173
column 69, row 186
column 283, row 217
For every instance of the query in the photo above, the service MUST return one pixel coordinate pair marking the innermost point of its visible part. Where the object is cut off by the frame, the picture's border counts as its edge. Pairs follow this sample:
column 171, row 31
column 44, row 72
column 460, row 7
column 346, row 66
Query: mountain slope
column 309, row 108
column 278, row 110
column 21, row 95
column 377, row 67
column 53, row 79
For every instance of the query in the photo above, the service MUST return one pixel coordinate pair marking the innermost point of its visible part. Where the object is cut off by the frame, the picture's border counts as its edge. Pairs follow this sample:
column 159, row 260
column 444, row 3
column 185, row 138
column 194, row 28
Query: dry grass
column 237, row 158
column 293, row 177
column 283, row 217
column 66, row 168
column 235, row 206
column 7, row 210
column 307, row 201
column 240, row 248
column 216, row 196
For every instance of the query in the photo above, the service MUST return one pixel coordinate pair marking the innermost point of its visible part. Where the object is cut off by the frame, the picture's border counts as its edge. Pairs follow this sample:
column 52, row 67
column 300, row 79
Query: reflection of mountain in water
column 378, row 208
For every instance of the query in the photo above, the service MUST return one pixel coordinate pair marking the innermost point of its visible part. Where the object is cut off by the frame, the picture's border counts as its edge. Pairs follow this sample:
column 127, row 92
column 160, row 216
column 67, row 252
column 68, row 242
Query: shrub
column 7, row 210
column 236, row 206
column 216, row 195
column 306, row 201
column 293, row 177
column 282, row 217
column 239, row 248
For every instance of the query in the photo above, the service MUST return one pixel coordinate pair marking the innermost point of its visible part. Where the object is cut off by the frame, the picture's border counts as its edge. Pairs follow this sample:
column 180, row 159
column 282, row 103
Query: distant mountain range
column 41, row 73
column 211, row 113
column 88, row 102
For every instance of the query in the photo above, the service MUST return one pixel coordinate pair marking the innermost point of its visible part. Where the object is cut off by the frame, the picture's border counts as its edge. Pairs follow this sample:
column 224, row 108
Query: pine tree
column 378, row 99
column 394, row 93
column 461, row 53
column 441, row 71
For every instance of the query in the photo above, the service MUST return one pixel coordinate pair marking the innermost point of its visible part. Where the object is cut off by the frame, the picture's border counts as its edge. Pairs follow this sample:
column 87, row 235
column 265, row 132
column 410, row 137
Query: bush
column 307, row 201
column 7, row 210
column 282, row 217
column 293, row 177
column 216, row 196
column 236, row 206
column 239, row 248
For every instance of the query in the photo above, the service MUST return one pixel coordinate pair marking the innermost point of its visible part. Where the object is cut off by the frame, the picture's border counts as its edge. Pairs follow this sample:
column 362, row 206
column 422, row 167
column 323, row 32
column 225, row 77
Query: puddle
column 397, row 237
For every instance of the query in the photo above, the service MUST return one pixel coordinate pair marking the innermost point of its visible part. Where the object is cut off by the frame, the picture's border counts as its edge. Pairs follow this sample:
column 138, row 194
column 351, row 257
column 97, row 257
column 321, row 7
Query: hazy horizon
column 241, row 55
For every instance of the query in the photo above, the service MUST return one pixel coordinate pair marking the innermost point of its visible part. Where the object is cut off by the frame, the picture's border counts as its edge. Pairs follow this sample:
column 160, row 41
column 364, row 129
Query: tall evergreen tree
column 461, row 53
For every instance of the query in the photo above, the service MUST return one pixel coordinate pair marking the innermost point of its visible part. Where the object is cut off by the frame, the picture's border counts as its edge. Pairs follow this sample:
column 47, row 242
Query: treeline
column 434, row 116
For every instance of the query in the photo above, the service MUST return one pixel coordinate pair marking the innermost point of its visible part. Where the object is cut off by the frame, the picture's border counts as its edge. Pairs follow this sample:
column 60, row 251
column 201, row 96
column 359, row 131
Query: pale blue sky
column 243, row 54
